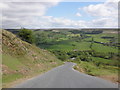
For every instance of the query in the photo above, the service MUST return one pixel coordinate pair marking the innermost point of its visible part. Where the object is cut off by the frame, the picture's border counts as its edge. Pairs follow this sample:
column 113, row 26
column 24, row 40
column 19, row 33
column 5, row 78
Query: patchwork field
column 95, row 53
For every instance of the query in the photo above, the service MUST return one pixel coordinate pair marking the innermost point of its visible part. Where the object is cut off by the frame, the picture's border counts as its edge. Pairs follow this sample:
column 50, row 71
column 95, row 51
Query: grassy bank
column 21, row 60
column 106, row 72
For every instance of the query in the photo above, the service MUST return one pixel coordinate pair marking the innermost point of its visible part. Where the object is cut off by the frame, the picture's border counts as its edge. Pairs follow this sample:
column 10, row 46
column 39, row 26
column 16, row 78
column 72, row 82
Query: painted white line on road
column 74, row 69
column 81, row 72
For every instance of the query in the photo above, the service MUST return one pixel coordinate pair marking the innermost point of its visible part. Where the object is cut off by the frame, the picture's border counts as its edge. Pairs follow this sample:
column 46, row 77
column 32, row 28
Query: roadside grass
column 91, row 69
column 11, row 62
column 17, row 70
column 11, row 77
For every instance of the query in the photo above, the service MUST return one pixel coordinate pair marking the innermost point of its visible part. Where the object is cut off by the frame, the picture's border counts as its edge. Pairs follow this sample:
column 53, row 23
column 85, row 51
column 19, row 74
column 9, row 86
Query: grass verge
column 107, row 72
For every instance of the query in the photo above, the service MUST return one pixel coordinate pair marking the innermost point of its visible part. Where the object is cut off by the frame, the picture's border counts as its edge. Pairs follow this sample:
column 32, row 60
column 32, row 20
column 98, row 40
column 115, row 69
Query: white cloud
column 43, row 22
column 106, row 13
column 25, row 9
column 102, row 10
column 53, row 1
column 78, row 14
column 105, row 22
column 21, row 12
column 32, row 15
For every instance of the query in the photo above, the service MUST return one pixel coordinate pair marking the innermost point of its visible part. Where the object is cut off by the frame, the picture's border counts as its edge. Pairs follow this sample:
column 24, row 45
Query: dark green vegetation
column 22, row 60
column 26, row 35
column 95, row 52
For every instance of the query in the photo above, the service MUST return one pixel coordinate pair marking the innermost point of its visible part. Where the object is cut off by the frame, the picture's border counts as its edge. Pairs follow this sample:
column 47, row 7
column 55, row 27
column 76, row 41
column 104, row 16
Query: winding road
column 65, row 76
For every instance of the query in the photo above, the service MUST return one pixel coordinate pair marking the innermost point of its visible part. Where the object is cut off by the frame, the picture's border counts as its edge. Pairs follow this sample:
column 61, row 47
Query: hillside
column 94, row 52
column 22, row 60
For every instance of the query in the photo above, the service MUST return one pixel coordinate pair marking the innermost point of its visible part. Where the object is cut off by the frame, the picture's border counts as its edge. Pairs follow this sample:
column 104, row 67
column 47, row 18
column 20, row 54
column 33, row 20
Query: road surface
column 65, row 76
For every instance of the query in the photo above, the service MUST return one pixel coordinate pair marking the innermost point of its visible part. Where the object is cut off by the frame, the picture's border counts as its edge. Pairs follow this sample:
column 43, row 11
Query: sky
column 59, row 14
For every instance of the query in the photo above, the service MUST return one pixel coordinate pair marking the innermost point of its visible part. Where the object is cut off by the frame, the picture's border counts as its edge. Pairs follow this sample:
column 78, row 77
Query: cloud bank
column 32, row 15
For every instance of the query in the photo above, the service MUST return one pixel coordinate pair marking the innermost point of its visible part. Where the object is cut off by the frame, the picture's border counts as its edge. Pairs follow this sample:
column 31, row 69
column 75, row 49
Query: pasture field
column 67, row 41
column 95, row 54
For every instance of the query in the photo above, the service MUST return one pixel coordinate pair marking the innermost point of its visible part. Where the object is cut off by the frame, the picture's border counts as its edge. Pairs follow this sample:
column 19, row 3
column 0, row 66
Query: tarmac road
column 65, row 76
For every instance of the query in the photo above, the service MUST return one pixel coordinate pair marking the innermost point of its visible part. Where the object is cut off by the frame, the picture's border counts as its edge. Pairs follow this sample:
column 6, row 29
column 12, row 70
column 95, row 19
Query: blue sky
column 69, row 9
column 60, row 14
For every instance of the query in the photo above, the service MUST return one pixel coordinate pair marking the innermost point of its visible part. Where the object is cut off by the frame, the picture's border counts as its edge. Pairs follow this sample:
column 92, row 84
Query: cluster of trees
column 87, row 32
column 87, row 56
column 31, row 37
column 76, row 31
column 94, row 32
column 60, row 55
column 41, row 38
column 26, row 35
column 78, row 55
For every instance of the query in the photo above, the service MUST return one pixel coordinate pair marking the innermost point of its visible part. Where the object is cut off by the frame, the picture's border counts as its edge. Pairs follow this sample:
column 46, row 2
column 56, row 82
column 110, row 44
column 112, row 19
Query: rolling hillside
column 21, row 60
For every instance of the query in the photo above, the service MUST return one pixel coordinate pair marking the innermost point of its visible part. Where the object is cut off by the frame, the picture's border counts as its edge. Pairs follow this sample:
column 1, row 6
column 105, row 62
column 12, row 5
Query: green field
column 68, row 41
column 105, row 49
column 96, row 54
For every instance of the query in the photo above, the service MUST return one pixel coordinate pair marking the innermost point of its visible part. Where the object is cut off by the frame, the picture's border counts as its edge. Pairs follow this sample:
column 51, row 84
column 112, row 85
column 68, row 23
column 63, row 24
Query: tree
column 26, row 35
column 41, row 38
column 61, row 55
column 92, row 41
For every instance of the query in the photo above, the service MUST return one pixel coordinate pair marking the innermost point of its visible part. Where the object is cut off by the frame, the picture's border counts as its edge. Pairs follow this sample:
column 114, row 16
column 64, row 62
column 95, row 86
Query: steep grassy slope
column 21, row 59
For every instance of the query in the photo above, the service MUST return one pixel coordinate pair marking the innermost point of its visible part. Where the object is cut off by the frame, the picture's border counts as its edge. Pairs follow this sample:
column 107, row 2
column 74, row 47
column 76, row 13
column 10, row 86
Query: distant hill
column 22, row 60
column 88, row 30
